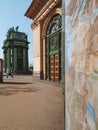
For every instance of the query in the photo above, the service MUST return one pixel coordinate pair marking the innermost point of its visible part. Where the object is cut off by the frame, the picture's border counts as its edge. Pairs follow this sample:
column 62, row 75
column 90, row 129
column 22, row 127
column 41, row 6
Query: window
column 18, row 36
column 55, row 24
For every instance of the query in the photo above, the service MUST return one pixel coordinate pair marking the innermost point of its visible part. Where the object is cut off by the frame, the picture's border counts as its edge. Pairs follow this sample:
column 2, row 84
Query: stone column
column 8, row 58
column 41, row 52
column 44, row 58
column 47, row 60
column 1, row 70
column 27, row 59
column 15, row 59
column 24, row 58
column 5, row 61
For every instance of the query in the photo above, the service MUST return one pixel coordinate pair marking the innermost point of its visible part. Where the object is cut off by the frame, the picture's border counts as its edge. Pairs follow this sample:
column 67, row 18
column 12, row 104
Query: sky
column 12, row 15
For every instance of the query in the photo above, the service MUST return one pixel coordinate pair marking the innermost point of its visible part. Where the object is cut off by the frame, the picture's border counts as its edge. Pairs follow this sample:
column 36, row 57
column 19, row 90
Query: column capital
column 43, row 37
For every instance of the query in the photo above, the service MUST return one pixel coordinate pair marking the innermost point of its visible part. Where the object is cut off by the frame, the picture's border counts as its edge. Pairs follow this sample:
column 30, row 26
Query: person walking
column 10, row 73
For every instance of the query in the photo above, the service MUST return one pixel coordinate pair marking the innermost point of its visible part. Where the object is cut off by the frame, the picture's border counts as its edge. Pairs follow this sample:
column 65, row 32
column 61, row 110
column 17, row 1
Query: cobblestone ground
column 27, row 103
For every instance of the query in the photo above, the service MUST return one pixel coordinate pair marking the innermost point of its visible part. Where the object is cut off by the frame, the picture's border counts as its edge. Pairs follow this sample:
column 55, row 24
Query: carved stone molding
column 39, row 9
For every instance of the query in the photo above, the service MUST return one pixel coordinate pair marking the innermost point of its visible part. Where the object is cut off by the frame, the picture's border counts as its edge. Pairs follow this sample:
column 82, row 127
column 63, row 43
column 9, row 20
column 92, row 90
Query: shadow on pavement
column 11, row 90
column 17, row 83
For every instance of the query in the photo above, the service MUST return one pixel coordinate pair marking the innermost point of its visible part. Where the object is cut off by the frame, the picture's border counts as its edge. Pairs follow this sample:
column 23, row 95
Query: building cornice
column 40, row 8
column 34, row 8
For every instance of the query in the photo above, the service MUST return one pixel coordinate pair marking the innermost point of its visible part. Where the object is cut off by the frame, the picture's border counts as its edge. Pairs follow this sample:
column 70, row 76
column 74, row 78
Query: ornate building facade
column 15, row 50
column 46, row 26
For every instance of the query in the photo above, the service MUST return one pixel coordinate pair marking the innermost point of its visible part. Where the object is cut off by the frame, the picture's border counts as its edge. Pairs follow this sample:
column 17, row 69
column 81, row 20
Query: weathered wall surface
column 82, row 64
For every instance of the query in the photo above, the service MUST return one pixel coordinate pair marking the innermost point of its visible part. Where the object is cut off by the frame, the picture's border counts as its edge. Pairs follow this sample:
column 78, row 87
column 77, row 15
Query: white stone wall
column 36, row 45
column 37, row 66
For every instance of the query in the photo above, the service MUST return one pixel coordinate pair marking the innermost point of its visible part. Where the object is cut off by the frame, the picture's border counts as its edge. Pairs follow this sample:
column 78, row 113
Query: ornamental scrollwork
column 55, row 24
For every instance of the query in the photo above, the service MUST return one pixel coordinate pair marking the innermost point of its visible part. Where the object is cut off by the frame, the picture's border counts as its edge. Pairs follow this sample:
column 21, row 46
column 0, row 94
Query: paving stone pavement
column 27, row 103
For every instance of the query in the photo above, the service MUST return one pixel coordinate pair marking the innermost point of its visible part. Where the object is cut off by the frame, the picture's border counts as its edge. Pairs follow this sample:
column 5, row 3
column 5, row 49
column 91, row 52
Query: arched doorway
column 53, row 49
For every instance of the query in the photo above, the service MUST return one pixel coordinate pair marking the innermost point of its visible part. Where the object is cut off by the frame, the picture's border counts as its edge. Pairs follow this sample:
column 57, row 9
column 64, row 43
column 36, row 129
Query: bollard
column 1, row 70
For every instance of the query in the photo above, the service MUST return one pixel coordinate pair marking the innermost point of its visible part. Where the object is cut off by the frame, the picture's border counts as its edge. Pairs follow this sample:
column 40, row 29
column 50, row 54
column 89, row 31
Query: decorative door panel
column 52, row 66
column 56, row 67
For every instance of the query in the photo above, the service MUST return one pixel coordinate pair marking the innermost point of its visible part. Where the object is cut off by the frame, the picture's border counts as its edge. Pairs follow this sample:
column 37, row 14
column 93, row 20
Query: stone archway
column 47, row 20
column 45, row 25
column 52, row 57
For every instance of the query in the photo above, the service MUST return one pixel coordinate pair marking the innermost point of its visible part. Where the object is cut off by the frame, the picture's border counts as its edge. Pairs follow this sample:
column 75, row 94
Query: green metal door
column 53, row 49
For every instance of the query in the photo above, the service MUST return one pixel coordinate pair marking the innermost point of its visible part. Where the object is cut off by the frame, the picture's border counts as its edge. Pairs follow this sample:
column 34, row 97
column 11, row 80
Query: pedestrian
column 9, row 73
